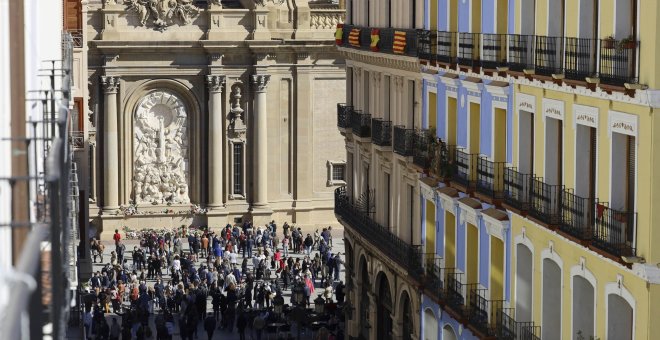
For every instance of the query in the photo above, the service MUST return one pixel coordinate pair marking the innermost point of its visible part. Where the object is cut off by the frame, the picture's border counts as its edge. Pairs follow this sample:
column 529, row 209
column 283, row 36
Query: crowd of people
column 242, row 270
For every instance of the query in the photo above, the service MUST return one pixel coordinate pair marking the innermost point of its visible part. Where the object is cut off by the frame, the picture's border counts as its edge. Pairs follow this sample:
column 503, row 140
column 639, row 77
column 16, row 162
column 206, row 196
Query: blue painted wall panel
column 488, row 13
column 464, row 15
column 512, row 14
column 443, row 7
column 461, row 125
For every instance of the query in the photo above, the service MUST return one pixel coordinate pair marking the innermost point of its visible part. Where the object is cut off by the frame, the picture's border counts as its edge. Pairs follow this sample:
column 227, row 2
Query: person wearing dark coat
column 241, row 323
column 209, row 325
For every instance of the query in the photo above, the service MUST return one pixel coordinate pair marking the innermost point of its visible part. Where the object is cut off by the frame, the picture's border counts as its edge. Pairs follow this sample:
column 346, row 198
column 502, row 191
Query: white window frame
column 331, row 180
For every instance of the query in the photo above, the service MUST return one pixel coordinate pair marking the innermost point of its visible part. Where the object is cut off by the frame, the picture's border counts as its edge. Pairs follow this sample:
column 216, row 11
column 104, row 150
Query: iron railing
column 545, row 202
column 577, row 215
column 77, row 140
column 403, row 140
column 406, row 255
column 76, row 37
column 510, row 329
column 490, row 178
column 548, row 55
column 493, row 53
column 386, row 37
column 521, row 52
column 385, row 40
column 477, row 308
column 580, row 58
column 464, row 168
column 468, row 49
column 455, row 295
column 361, row 124
column 425, row 146
column 427, row 44
column 446, row 47
column 381, row 132
column 517, row 189
column 344, row 116
column 615, row 230
column 441, row 161
column 618, row 62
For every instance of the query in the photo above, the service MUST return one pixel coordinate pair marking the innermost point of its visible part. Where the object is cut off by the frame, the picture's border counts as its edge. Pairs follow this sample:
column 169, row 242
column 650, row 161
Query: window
column 238, row 169
column 336, row 173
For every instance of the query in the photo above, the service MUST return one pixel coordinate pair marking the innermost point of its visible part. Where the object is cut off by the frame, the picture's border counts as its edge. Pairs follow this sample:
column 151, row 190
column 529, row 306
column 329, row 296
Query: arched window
column 407, row 318
column 384, row 311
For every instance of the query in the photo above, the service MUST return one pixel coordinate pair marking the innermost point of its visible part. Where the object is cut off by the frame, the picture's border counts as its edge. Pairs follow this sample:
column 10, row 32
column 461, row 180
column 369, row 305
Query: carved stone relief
column 160, row 170
column 163, row 13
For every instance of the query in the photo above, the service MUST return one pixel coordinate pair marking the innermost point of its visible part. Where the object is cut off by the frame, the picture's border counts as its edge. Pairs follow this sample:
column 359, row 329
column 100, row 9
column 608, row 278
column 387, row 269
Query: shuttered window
column 630, row 187
column 72, row 19
column 592, row 162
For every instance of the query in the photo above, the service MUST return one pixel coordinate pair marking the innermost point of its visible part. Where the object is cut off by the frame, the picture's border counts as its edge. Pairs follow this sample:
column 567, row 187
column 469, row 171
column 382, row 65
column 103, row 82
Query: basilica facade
column 209, row 113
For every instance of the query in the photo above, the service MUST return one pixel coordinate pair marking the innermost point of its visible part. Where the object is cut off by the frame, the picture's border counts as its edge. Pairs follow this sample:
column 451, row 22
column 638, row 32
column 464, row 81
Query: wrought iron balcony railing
column 381, row 132
column 483, row 313
column 399, row 251
column 446, row 47
column 618, row 61
column 490, row 178
column 441, row 161
column 615, row 230
column 403, row 140
column 455, row 296
column 468, row 49
column 493, row 53
column 344, row 116
column 427, row 45
column 361, row 123
column 425, row 147
column 580, row 58
column 517, row 189
column 577, row 215
column 549, row 55
column 510, row 329
column 388, row 39
column 545, row 202
column 464, row 168
column 521, row 52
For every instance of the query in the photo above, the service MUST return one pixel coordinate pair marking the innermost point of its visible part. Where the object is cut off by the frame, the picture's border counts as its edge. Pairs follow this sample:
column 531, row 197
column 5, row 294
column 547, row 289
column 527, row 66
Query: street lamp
column 319, row 305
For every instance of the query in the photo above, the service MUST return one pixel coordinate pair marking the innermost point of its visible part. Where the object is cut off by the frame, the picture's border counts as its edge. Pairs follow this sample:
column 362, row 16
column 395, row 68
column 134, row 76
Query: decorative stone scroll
column 163, row 13
column 160, row 171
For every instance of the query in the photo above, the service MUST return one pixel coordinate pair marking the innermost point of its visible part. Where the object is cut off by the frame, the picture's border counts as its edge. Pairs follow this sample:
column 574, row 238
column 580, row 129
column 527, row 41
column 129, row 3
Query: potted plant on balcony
column 609, row 42
column 626, row 44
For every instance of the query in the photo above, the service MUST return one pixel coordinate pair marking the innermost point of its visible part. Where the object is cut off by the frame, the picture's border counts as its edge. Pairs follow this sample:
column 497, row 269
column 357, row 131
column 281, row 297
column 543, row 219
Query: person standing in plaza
column 209, row 325
column 116, row 237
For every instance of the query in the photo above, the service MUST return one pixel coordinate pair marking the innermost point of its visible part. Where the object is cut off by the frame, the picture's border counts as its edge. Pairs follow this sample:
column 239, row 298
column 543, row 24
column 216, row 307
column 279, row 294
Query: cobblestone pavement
column 337, row 246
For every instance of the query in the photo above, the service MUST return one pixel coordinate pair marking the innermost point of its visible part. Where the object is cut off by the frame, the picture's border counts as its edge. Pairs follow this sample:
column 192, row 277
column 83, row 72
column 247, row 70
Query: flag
column 399, row 42
column 375, row 38
column 339, row 34
column 354, row 37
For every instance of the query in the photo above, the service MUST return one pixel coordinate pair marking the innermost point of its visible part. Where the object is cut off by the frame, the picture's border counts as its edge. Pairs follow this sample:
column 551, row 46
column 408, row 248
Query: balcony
column 545, row 202
column 359, row 220
column 577, row 215
column 464, row 169
column 490, row 178
column 455, row 298
column 615, row 230
column 361, row 124
column 482, row 313
column 343, row 116
column 403, row 141
column 517, row 189
column 77, row 140
column 618, row 59
column 381, row 132
column 427, row 44
column 468, row 49
column 446, row 47
column 425, row 146
column 390, row 40
column 580, row 58
column 493, row 54
column 521, row 52
column 510, row 329
column 548, row 55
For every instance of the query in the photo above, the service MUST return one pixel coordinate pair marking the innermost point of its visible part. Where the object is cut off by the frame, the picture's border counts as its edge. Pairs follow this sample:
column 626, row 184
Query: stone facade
column 208, row 113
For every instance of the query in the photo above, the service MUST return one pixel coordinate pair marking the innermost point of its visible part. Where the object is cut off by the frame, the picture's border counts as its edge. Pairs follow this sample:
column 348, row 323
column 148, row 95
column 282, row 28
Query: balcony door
column 527, row 17
column 585, row 161
column 553, row 151
column 526, row 143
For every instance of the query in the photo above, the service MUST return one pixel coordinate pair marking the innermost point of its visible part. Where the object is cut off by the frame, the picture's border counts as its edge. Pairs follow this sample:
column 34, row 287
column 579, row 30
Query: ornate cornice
column 382, row 59
column 110, row 84
column 215, row 83
column 260, row 82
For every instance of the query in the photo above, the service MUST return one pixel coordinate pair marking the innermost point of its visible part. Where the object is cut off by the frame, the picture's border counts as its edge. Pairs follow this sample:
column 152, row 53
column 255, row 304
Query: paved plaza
column 337, row 247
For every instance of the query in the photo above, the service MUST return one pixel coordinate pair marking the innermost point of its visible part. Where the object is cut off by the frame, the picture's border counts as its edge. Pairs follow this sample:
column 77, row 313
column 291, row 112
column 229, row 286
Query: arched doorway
column 384, row 311
column 364, row 300
column 551, row 302
column 619, row 318
column 430, row 325
column 448, row 333
column 407, row 322
column 583, row 307
column 524, row 288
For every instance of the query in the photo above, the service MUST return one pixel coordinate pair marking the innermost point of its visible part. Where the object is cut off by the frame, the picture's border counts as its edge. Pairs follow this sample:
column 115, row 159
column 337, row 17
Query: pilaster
column 216, row 142
column 110, row 144
column 260, row 208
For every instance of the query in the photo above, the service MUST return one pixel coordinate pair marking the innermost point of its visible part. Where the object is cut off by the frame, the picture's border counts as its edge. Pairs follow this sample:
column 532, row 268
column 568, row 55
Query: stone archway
column 384, row 308
column 407, row 317
column 448, row 333
column 430, row 325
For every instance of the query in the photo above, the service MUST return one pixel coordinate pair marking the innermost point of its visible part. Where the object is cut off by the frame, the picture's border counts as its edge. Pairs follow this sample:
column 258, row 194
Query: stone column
column 216, row 142
column 260, row 119
column 373, row 315
column 110, row 144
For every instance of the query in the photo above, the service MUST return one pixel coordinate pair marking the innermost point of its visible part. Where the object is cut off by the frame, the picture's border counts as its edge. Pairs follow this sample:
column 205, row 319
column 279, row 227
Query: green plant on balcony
column 580, row 336
column 609, row 42
column 626, row 44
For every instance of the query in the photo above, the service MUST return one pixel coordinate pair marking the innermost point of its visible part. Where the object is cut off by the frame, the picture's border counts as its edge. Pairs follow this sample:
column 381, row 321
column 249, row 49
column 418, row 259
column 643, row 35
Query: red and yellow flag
column 354, row 37
column 339, row 34
column 399, row 42
column 375, row 38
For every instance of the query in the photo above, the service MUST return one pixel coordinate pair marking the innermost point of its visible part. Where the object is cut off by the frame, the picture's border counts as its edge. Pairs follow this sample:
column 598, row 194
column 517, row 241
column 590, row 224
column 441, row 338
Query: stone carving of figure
column 160, row 150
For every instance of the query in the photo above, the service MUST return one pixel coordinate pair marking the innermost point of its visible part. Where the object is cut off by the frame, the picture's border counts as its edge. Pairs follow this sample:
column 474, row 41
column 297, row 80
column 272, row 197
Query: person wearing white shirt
column 176, row 265
column 234, row 258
